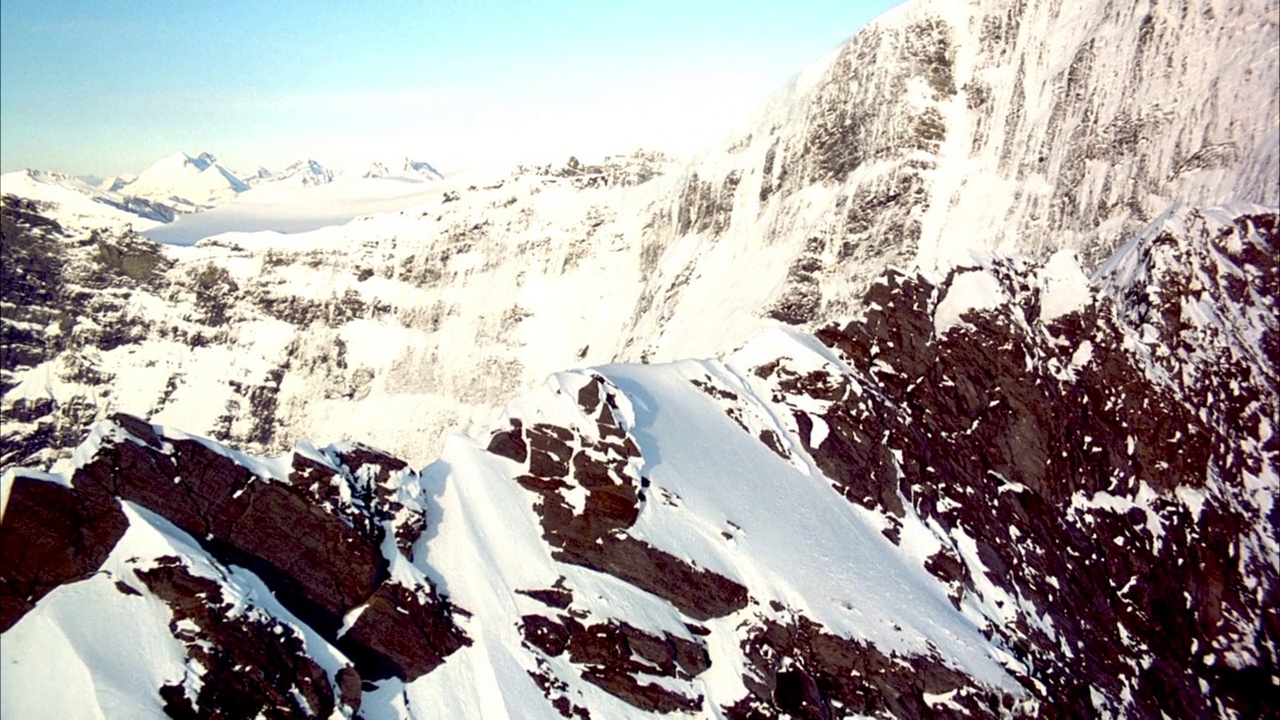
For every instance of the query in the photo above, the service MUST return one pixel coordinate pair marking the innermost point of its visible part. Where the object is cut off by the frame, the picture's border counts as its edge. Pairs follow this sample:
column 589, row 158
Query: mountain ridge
column 976, row 590
column 664, row 249
column 983, row 426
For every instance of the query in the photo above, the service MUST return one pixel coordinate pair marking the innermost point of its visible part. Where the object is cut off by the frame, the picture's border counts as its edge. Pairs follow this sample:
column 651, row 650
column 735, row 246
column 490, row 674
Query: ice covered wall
column 1025, row 126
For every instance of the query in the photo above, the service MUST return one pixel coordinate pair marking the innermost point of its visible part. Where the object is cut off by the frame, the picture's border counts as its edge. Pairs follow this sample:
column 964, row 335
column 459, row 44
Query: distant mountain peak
column 304, row 173
column 402, row 167
column 203, row 161
column 191, row 183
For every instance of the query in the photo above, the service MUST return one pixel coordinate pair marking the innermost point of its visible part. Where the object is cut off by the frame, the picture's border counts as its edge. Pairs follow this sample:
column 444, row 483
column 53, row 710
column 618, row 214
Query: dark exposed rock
column 1058, row 463
column 402, row 633
column 697, row 592
column 549, row 452
column 612, row 653
column 593, row 537
column 349, row 687
column 358, row 485
column 547, row 635
column 799, row 669
column 246, row 664
column 646, row 696
column 319, row 554
column 374, row 472
column 313, row 560
column 556, row 596
column 52, row 535
column 510, row 443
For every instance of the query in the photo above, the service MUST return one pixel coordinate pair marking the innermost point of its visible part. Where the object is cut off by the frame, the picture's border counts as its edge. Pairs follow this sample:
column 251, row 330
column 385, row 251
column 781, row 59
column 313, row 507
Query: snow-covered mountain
column 984, row 423
column 175, row 185
column 258, row 201
column 1004, row 490
column 79, row 206
column 400, row 168
column 190, row 183
column 872, row 157
column 304, row 173
column 114, row 183
column 309, row 173
column 442, row 313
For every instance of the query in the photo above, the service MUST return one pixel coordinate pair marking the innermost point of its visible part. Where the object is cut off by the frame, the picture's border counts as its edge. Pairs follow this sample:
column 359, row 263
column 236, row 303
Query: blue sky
column 107, row 87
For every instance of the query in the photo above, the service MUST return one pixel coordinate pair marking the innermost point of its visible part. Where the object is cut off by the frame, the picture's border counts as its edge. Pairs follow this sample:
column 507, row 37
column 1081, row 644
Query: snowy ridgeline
column 967, row 501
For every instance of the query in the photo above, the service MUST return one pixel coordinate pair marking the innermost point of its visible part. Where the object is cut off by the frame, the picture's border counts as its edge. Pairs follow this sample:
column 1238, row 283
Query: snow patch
column 972, row 290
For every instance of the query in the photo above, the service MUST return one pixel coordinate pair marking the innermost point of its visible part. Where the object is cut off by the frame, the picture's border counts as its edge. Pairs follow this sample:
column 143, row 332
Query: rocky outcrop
column 315, row 539
column 603, row 466
column 241, row 662
column 799, row 670
column 316, row 563
column 52, row 535
column 614, row 655
column 403, row 632
column 1046, row 447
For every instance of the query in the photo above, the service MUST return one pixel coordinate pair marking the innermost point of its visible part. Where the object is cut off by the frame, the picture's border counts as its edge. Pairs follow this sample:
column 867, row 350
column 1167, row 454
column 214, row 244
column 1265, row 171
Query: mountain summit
column 188, row 183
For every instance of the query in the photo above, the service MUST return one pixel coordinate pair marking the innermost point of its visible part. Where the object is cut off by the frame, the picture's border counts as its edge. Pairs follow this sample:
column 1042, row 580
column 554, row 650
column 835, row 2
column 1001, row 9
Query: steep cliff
column 1003, row 490
column 1025, row 127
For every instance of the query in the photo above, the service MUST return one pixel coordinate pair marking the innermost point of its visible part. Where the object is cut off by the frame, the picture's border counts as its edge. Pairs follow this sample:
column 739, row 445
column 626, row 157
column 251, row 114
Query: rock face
column 1025, row 126
column 602, row 471
column 249, row 663
column 324, row 534
column 52, row 535
column 1004, row 490
column 1046, row 447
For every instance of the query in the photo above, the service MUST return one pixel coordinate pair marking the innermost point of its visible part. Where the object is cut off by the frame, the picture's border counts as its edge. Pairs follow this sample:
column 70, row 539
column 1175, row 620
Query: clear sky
column 110, row 86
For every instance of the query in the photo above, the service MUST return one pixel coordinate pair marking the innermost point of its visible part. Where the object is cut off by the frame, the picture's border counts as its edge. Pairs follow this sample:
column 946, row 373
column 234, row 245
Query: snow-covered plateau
column 945, row 388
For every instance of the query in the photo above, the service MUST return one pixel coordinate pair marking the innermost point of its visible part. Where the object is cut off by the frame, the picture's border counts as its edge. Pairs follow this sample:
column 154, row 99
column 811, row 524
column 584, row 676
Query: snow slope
column 76, row 204
column 941, row 130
